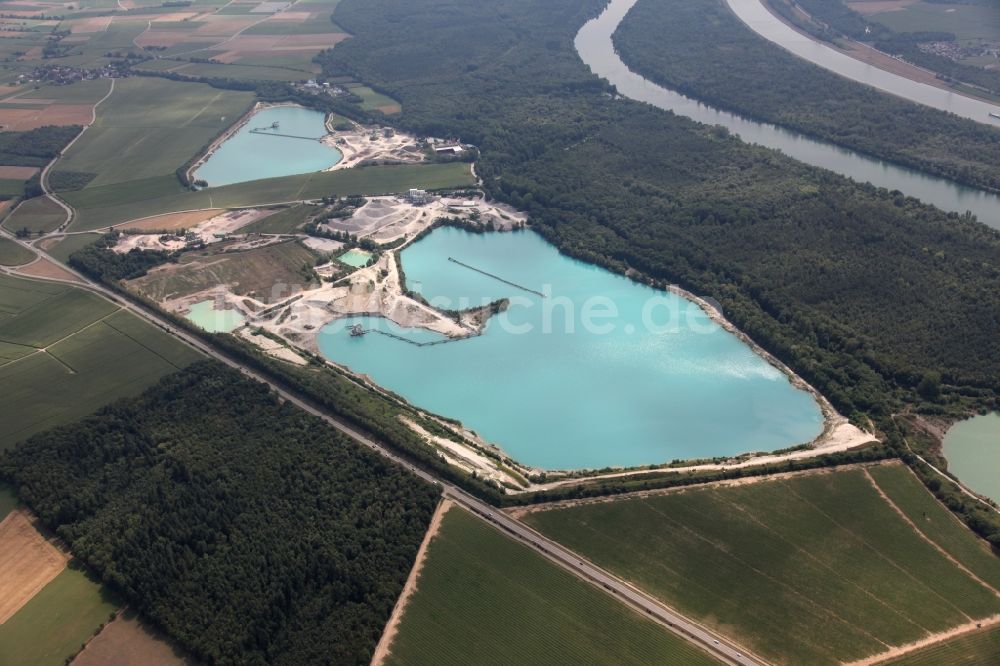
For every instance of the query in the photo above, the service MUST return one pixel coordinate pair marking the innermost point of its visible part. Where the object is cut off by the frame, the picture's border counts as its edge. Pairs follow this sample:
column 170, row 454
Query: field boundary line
column 151, row 351
column 920, row 533
column 382, row 650
column 933, row 639
column 520, row 511
column 868, row 546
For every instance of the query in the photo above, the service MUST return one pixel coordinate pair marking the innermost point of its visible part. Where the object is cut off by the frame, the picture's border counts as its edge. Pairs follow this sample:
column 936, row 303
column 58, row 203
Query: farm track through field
column 906, row 519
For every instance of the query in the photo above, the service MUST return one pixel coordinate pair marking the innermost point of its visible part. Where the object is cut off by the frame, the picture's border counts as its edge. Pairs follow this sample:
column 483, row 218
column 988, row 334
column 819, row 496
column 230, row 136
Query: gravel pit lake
column 598, row 371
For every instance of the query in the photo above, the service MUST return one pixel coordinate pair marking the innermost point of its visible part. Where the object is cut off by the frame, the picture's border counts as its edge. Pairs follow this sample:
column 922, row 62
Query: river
column 770, row 27
column 596, row 49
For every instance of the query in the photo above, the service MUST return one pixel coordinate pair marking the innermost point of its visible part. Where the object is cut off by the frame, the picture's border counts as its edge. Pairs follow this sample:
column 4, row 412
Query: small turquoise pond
column 258, row 150
column 972, row 449
column 659, row 381
column 356, row 258
column 215, row 321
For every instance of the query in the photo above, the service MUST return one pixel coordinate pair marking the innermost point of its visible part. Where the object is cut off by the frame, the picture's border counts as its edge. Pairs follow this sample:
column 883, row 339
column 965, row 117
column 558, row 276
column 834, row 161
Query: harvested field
column 52, row 114
column 28, row 561
column 173, row 221
column 129, row 641
column 868, row 7
column 18, row 172
column 44, row 268
column 90, row 24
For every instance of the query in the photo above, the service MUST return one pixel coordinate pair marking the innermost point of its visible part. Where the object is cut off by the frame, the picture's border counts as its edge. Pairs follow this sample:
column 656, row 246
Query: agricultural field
column 14, row 254
column 57, row 621
column 935, row 522
column 94, row 211
column 127, row 641
column 30, row 107
column 61, row 248
column 482, row 598
column 146, row 130
column 810, row 568
column 64, row 352
column 965, row 21
column 38, row 215
column 268, row 274
column 374, row 101
column 980, row 648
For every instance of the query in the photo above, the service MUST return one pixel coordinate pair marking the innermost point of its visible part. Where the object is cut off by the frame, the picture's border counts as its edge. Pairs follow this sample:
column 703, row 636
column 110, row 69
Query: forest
column 35, row 147
column 834, row 18
column 862, row 291
column 248, row 530
column 701, row 48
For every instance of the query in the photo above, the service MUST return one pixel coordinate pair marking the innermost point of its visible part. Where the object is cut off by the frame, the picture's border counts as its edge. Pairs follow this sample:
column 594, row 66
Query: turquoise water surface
column 355, row 257
column 249, row 155
column 972, row 449
column 215, row 321
column 558, row 382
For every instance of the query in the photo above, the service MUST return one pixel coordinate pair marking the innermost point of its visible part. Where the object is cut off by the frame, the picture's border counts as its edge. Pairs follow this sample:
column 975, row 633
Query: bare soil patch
column 18, row 172
column 129, row 641
column 28, row 561
column 44, row 268
column 51, row 114
column 173, row 221
column 92, row 24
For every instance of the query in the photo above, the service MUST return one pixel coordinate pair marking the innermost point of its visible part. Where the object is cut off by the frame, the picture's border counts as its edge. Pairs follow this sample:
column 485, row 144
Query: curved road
column 719, row 647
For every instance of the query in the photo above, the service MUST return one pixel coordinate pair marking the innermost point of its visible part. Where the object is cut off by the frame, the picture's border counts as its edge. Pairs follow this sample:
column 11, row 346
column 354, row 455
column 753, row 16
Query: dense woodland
column 35, row 147
column 702, row 49
column 250, row 531
column 870, row 295
column 832, row 19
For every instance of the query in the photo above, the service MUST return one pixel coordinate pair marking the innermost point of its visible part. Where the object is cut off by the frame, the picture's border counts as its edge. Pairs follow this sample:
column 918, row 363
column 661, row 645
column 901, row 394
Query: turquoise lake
column 656, row 382
column 972, row 449
column 215, row 321
column 252, row 155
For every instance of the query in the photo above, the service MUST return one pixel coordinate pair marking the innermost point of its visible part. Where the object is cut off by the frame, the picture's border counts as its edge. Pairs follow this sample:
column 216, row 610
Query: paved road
column 725, row 651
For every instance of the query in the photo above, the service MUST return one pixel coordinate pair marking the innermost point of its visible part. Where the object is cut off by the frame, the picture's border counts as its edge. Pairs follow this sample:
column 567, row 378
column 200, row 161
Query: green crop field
column 268, row 273
column 67, row 245
column 285, row 221
column 14, row 254
column 149, row 127
column 57, row 621
column 937, row 523
column 965, row 21
column 81, row 92
column 484, row 599
column 40, row 214
column 810, row 569
column 95, row 353
column 372, row 100
column 94, row 213
column 981, row 648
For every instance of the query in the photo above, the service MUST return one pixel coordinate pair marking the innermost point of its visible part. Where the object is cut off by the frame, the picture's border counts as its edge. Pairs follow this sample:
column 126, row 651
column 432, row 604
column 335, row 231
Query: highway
column 719, row 647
